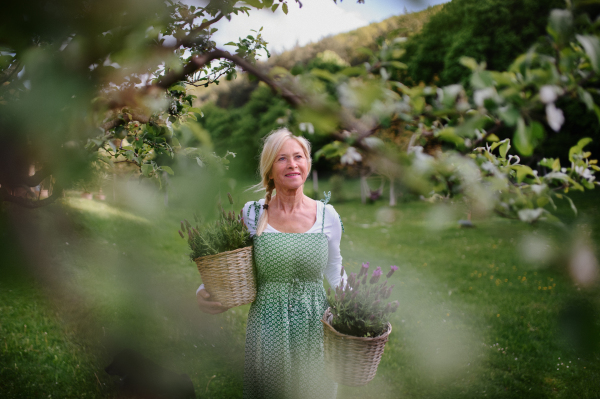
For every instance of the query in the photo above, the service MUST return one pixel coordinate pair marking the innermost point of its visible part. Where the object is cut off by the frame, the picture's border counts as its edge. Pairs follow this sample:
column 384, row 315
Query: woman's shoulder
column 251, row 206
column 249, row 203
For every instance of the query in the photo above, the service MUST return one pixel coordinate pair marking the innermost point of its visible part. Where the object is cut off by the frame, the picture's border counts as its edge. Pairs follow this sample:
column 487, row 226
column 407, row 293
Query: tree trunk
column 364, row 189
column 392, row 193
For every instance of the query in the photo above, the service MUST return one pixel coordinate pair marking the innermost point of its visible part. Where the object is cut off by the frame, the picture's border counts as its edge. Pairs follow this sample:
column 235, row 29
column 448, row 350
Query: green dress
column 284, row 335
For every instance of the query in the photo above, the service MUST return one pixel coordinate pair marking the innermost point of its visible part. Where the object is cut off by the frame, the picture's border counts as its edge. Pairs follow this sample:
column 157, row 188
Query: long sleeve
column 249, row 215
column 333, row 230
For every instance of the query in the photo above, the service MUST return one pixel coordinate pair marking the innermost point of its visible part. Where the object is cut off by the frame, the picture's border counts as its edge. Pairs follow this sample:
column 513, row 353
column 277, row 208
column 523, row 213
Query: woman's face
column 290, row 168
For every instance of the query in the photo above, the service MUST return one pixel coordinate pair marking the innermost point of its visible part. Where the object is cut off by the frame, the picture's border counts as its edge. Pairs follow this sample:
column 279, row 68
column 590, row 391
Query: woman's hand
column 207, row 306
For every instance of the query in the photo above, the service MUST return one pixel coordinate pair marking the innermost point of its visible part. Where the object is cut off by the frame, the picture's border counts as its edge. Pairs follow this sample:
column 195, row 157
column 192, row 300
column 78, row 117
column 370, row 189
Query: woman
column 296, row 241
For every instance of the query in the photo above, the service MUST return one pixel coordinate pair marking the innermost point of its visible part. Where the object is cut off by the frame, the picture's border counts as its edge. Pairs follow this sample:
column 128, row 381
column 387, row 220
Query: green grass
column 478, row 318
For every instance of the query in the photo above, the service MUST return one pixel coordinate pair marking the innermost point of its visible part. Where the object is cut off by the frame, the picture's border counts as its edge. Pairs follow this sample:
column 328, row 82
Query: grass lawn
column 490, row 311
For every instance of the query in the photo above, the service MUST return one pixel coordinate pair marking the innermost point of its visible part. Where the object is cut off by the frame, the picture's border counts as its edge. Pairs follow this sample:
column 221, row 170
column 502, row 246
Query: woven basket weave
column 229, row 277
column 351, row 360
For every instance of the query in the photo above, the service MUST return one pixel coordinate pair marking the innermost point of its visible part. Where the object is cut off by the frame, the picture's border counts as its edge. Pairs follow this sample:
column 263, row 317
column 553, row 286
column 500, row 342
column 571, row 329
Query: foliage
column 350, row 46
column 357, row 306
column 494, row 31
column 462, row 118
column 228, row 233
column 107, row 88
column 241, row 129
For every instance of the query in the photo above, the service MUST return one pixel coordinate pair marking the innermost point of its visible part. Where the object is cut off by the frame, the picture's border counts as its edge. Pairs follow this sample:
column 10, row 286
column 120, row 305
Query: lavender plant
column 228, row 233
column 359, row 305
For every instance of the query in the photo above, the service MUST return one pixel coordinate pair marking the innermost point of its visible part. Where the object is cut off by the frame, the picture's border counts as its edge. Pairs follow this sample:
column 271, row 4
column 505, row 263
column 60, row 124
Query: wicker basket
column 351, row 360
column 229, row 277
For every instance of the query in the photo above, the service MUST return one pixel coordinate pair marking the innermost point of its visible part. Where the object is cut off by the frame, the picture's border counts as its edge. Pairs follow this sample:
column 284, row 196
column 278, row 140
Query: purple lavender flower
column 394, row 268
column 363, row 269
column 180, row 233
column 182, row 226
column 364, row 280
column 329, row 291
column 342, row 272
column 388, row 292
column 352, row 280
column 376, row 275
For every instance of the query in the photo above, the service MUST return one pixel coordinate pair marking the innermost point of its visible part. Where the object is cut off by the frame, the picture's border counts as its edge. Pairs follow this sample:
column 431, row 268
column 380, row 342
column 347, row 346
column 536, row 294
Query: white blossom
column 351, row 156
column 549, row 93
column 554, row 116
column 481, row 95
column 538, row 188
column 530, row 215
column 307, row 127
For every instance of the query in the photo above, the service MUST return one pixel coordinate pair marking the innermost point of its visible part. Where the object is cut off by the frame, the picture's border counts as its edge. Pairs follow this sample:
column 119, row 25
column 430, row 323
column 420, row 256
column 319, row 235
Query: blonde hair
column 271, row 147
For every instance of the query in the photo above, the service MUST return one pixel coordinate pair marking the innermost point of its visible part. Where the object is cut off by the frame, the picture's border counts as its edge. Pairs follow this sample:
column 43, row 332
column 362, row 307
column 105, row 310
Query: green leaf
column 572, row 205
column 509, row 115
column 560, row 25
column 586, row 98
column 556, row 165
column 230, row 44
column 167, row 169
column 396, row 64
column 542, row 201
column 284, row 7
column 578, row 147
column 522, row 172
column 591, row 45
column 268, row 3
column 177, row 88
column 492, row 137
column 147, row 169
column 528, row 137
column 274, row 7
column 448, row 134
column 254, row 3
column 469, row 62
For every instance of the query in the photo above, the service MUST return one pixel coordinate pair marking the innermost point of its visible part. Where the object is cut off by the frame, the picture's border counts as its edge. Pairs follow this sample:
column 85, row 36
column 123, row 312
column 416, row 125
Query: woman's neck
column 289, row 200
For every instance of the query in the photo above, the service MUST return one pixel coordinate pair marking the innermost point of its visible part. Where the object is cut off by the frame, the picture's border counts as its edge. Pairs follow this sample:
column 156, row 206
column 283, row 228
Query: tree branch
column 190, row 38
column 199, row 61
column 36, row 179
column 9, row 72
column 125, row 119
column 26, row 203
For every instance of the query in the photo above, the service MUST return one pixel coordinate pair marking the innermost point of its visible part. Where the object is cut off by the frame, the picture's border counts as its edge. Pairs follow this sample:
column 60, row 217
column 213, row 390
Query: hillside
column 343, row 44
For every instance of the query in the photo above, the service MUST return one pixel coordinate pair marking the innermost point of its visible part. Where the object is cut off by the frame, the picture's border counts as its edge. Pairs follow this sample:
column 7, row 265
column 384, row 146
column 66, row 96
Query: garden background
column 495, row 310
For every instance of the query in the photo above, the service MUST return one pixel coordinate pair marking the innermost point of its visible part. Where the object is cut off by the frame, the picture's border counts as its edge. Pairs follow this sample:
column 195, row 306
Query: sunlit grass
column 478, row 317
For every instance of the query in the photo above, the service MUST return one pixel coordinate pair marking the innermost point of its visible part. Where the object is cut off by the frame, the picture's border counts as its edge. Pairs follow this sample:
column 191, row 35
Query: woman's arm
column 206, row 306
column 333, row 231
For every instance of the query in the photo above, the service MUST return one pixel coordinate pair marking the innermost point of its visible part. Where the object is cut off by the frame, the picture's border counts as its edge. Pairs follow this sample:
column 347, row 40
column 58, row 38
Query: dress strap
column 325, row 201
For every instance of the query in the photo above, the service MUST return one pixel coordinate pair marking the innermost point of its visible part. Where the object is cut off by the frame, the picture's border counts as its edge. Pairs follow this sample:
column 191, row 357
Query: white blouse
column 332, row 229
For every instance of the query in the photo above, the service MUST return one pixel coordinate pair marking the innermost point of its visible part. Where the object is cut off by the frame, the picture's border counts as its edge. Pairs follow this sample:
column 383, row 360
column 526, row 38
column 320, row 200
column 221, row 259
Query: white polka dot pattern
column 284, row 336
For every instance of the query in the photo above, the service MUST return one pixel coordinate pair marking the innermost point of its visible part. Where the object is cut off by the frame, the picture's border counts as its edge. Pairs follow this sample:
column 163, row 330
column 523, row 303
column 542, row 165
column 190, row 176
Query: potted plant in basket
column 356, row 326
column 223, row 253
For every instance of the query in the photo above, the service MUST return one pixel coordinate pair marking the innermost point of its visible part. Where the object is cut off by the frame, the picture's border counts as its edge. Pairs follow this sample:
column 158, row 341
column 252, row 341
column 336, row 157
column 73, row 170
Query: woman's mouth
column 292, row 174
